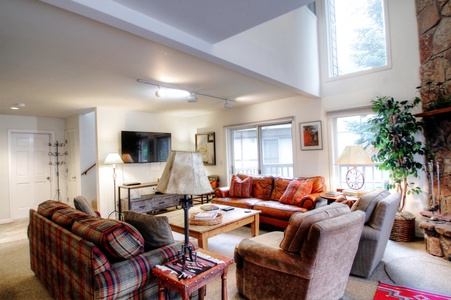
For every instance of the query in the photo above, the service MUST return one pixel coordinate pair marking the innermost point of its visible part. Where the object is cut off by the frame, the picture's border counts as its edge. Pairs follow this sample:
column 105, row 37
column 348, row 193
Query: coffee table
column 233, row 219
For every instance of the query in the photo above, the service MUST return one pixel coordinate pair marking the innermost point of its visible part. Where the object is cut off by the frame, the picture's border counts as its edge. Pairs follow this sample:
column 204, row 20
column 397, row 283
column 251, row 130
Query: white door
column 30, row 172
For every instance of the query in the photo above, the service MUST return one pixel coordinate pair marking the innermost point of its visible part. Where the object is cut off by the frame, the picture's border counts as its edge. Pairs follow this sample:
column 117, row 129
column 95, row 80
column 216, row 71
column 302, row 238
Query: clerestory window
column 356, row 36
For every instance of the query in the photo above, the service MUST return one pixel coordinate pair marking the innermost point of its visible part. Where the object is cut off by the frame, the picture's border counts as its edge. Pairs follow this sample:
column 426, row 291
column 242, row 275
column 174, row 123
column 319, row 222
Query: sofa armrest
column 222, row 192
column 309, row 201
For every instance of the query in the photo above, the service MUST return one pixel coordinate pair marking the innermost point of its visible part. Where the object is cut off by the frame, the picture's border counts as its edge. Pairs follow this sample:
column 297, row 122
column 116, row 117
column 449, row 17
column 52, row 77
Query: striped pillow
column 67, row 216
column 117, row 239
column 295, row 191
column 47, row 208
column 240, row 188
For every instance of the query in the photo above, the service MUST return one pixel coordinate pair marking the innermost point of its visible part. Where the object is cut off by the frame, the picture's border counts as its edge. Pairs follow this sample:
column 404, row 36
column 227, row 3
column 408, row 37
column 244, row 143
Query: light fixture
column 113, row 159
column 176, row 92
column 185, row 174
column 354, row 156
column 17, row 106
column 228, row 104
column 192, row 98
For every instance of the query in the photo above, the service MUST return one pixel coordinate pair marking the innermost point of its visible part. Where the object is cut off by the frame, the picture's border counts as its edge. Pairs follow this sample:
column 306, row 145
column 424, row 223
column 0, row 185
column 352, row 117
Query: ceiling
column 60, row 63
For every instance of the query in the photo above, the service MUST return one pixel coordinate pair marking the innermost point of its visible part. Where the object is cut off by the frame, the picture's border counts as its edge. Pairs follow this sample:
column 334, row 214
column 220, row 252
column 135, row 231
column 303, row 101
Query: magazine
column 206, row 215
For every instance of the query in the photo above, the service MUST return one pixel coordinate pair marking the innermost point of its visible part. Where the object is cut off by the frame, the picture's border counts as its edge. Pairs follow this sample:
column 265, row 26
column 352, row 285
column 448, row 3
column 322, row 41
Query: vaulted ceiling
column 65, row 57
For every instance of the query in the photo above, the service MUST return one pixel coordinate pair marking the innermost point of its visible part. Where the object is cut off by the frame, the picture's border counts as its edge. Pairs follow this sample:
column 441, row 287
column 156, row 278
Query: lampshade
column 184, row 174
column 112, row 159
column 354, row 155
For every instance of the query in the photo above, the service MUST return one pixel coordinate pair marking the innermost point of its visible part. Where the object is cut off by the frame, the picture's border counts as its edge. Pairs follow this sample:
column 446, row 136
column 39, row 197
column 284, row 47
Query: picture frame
column 205, row 144
column 311, row 135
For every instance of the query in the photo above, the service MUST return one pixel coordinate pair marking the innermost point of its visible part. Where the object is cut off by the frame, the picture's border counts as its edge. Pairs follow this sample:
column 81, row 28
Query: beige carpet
column 18, row 281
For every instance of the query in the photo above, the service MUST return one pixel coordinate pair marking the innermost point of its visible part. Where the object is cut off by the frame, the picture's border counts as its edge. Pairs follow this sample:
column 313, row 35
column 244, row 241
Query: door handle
column 48, row 178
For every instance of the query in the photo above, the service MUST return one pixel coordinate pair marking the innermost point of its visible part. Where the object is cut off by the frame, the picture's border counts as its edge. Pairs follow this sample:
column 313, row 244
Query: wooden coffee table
column 233, row 219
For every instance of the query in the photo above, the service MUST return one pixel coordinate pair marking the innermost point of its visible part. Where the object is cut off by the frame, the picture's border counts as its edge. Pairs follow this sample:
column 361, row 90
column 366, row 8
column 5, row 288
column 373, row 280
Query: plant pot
column 403, row 227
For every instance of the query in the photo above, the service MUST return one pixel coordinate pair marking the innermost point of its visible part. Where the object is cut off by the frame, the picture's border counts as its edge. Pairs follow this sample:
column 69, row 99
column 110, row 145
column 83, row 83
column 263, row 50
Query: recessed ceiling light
column 17, row 106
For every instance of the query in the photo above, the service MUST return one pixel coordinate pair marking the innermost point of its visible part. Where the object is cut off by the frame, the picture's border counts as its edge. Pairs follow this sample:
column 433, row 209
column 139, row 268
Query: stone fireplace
column 434, row 27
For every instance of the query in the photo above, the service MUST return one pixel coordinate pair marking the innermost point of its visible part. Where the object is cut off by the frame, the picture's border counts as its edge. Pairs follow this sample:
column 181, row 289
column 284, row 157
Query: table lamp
column 354, row 156
column 185, row 174
column 113, row 159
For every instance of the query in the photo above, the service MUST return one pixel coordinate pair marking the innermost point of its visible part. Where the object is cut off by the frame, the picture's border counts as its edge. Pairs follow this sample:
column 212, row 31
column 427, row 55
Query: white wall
column 88, row 150
column 32, row 124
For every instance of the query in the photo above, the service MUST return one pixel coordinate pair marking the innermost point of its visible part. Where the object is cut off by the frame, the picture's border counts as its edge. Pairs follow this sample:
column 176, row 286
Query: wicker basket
column 204, row 222
column 403, row 228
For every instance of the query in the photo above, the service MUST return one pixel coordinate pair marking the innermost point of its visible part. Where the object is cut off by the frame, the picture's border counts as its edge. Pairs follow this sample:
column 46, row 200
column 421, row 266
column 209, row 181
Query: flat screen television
column 145, row 147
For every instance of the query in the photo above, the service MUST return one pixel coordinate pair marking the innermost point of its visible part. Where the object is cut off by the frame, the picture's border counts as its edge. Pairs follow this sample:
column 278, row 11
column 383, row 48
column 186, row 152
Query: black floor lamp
column 185, row 174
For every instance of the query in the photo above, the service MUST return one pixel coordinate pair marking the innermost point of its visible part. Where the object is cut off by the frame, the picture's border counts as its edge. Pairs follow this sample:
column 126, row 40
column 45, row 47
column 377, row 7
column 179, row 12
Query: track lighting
column 228, row 104
column 192, row 98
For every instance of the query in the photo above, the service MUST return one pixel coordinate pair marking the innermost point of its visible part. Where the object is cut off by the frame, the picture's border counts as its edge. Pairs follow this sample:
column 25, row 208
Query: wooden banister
column 88, row 169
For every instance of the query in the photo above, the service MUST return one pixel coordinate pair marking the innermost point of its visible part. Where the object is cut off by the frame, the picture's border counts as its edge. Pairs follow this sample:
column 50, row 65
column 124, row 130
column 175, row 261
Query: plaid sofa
column 72, row 267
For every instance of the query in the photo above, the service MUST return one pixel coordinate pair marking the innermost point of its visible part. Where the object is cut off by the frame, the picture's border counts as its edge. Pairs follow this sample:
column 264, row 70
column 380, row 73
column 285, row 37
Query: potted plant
column 394, row 128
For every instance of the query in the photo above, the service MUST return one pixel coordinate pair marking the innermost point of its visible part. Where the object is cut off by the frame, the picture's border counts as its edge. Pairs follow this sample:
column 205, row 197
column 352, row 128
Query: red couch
column 266, row 193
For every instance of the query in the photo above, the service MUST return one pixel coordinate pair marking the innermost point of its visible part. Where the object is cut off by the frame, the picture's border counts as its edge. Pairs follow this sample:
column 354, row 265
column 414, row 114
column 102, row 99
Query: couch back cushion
column 155, row 230
column 295, row 191
column 82, row 204
column 300, row 223
column 117, row 239
column 66, row 217
column 319, row 183
column 47, row 208
column 280, row 186
column 261, row 185
column 367, row 202
column 240, row 188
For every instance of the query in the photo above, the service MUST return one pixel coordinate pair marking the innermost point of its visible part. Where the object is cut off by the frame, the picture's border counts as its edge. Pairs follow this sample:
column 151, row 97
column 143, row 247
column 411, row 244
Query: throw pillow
column 155, row 230
column 295, row 191
column 240, row 188
column 67, row 216
column 117, row 239
column 83, row 205
column 280, row 185
column 300, row 223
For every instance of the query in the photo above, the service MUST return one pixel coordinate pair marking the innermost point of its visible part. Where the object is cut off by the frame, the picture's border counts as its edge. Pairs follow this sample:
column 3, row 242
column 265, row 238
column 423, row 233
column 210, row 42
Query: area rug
column 392, row 291
column 425, row 272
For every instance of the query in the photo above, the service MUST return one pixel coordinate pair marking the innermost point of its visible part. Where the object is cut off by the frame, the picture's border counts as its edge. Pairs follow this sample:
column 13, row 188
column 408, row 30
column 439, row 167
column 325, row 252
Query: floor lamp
column 184, row 174
column 113, row 159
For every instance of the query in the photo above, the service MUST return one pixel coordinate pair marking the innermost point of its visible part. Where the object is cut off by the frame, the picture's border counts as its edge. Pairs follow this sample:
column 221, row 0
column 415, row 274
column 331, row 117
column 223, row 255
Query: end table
column 185, row 287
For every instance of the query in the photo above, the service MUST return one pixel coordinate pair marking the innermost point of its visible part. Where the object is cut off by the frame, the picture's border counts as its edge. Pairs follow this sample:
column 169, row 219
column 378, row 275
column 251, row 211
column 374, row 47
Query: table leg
column 202, row 292
column 224, row 284
column 202, row 242
column 161, row 291
column 255, row 226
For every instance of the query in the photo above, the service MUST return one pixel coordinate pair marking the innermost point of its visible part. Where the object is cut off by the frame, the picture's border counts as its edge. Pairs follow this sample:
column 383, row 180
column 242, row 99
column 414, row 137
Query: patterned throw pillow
column 117, row 239
column 155, row 230
column 295, row 191
column 67, row 216
column 240, row 188
column 47, row 208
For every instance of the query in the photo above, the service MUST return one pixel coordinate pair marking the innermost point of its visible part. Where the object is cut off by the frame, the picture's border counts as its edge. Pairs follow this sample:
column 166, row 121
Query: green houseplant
column 394, row 128
column 393, row 131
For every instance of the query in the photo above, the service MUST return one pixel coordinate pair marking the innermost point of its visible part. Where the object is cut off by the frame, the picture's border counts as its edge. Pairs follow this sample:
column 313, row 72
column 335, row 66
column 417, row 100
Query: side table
column 339, row 197
column 167, row 278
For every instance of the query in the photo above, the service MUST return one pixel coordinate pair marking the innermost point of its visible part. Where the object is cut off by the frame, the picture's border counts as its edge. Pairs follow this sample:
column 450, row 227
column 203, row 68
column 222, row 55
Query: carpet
column 425, row 272
column 392, row 291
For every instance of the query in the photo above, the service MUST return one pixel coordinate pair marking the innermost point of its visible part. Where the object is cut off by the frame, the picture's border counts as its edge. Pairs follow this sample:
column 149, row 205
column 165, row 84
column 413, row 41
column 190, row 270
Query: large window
column 265, row 149
column 356, row 36
column 350, row 130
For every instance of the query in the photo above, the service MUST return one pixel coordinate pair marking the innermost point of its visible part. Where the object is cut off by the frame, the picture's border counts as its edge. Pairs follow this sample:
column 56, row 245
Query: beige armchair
column 380, row 207
column 311, row 259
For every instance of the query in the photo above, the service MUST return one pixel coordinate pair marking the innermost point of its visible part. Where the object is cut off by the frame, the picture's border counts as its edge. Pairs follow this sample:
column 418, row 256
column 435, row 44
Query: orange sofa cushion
column 280, row 185
column 295, row 191
column 261, row 186
column 240, row 188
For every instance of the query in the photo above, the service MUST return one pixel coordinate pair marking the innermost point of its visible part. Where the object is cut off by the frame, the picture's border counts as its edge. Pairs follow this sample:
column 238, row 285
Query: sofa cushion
column 117, row 239
column 240, row 188
column 237, row 202
column 66, row 217
column 319, row 184
column 295, row 191
column 299, row 225
column 261, row 186
column 368, row 202
column 83, row 205
column 155, row 230
column 277, row 210
column 280, row 185
column 47, row 208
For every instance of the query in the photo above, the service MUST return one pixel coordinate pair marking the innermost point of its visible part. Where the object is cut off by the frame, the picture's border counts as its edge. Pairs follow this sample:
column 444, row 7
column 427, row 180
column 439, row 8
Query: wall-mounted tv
column 145, row 147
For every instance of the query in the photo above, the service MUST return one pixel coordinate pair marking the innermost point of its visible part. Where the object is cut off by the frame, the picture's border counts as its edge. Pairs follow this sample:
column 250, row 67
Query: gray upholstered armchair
column 380, row 207
column 311, row 259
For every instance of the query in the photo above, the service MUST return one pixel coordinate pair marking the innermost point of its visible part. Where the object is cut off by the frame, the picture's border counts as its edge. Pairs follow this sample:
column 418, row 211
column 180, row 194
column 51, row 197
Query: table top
column 176, row 218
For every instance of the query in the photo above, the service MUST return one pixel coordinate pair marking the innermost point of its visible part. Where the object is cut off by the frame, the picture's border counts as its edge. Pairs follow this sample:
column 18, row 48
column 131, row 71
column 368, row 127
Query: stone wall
column 434, row 30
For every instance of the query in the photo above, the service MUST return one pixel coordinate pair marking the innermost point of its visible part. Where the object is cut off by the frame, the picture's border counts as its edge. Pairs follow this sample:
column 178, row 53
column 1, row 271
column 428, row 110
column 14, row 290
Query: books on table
column 205, row 215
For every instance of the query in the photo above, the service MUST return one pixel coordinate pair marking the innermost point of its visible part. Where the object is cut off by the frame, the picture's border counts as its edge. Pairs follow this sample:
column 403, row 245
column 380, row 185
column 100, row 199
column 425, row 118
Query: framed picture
column 311, row 135
column 205, row 144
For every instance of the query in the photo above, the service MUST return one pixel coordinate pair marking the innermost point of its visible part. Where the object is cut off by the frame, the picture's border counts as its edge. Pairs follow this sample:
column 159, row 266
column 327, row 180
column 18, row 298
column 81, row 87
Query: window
column 350, row 130
column 356, row 31
column 265, row 149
